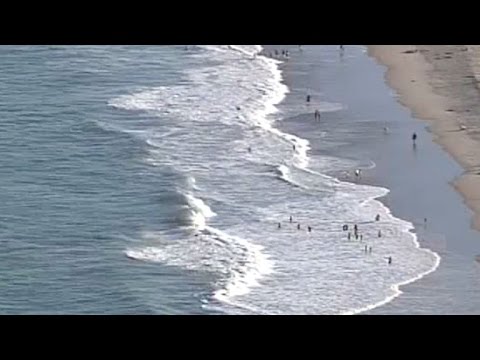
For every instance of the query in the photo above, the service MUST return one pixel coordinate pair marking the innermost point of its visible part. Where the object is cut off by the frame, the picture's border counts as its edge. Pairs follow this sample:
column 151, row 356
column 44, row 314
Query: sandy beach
column 440, row 83
column 420, row 181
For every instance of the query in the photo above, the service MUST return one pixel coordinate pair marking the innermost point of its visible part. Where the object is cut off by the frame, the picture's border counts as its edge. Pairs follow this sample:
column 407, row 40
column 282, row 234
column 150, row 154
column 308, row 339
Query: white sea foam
column 221, row 111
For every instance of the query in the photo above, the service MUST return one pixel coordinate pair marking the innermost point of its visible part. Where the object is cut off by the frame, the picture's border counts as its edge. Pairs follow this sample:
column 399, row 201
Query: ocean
column 152, row 179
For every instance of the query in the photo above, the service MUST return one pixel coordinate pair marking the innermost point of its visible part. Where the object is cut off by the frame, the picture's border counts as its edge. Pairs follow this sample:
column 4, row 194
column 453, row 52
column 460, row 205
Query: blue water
column 128, row 187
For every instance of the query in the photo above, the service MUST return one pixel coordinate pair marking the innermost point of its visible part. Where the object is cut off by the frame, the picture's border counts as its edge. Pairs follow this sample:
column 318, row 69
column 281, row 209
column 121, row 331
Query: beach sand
column 440, row 83
column 420, row 181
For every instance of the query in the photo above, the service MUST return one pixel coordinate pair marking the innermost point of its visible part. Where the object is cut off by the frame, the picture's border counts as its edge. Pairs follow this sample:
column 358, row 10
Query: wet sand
column 419, row 179
column 440, row 83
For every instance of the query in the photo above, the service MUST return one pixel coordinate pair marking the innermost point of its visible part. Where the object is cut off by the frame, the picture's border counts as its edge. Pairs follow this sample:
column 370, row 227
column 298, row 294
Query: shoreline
column 398, row 289
column 424, row 77
column 419, row 181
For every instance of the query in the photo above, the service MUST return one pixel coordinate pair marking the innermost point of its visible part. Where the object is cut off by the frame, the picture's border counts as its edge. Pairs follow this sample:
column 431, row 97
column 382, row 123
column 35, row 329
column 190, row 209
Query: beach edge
column 409, row 73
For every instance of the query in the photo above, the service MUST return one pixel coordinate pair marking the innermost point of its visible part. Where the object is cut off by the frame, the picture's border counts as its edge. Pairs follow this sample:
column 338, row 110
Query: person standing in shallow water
column 414, row 138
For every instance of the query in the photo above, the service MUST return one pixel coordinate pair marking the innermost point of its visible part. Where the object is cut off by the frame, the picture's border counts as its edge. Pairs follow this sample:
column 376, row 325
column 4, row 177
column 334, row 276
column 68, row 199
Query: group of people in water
column 356, row 234
column 299, row 226
column 285, row 54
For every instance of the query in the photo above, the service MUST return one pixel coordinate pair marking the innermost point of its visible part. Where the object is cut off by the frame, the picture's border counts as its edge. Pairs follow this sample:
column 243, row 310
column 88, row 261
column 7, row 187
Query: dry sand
column 441, row 83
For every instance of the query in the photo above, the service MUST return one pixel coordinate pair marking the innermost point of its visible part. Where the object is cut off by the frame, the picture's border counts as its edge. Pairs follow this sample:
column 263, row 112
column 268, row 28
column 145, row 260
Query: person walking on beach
column 358, row 173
